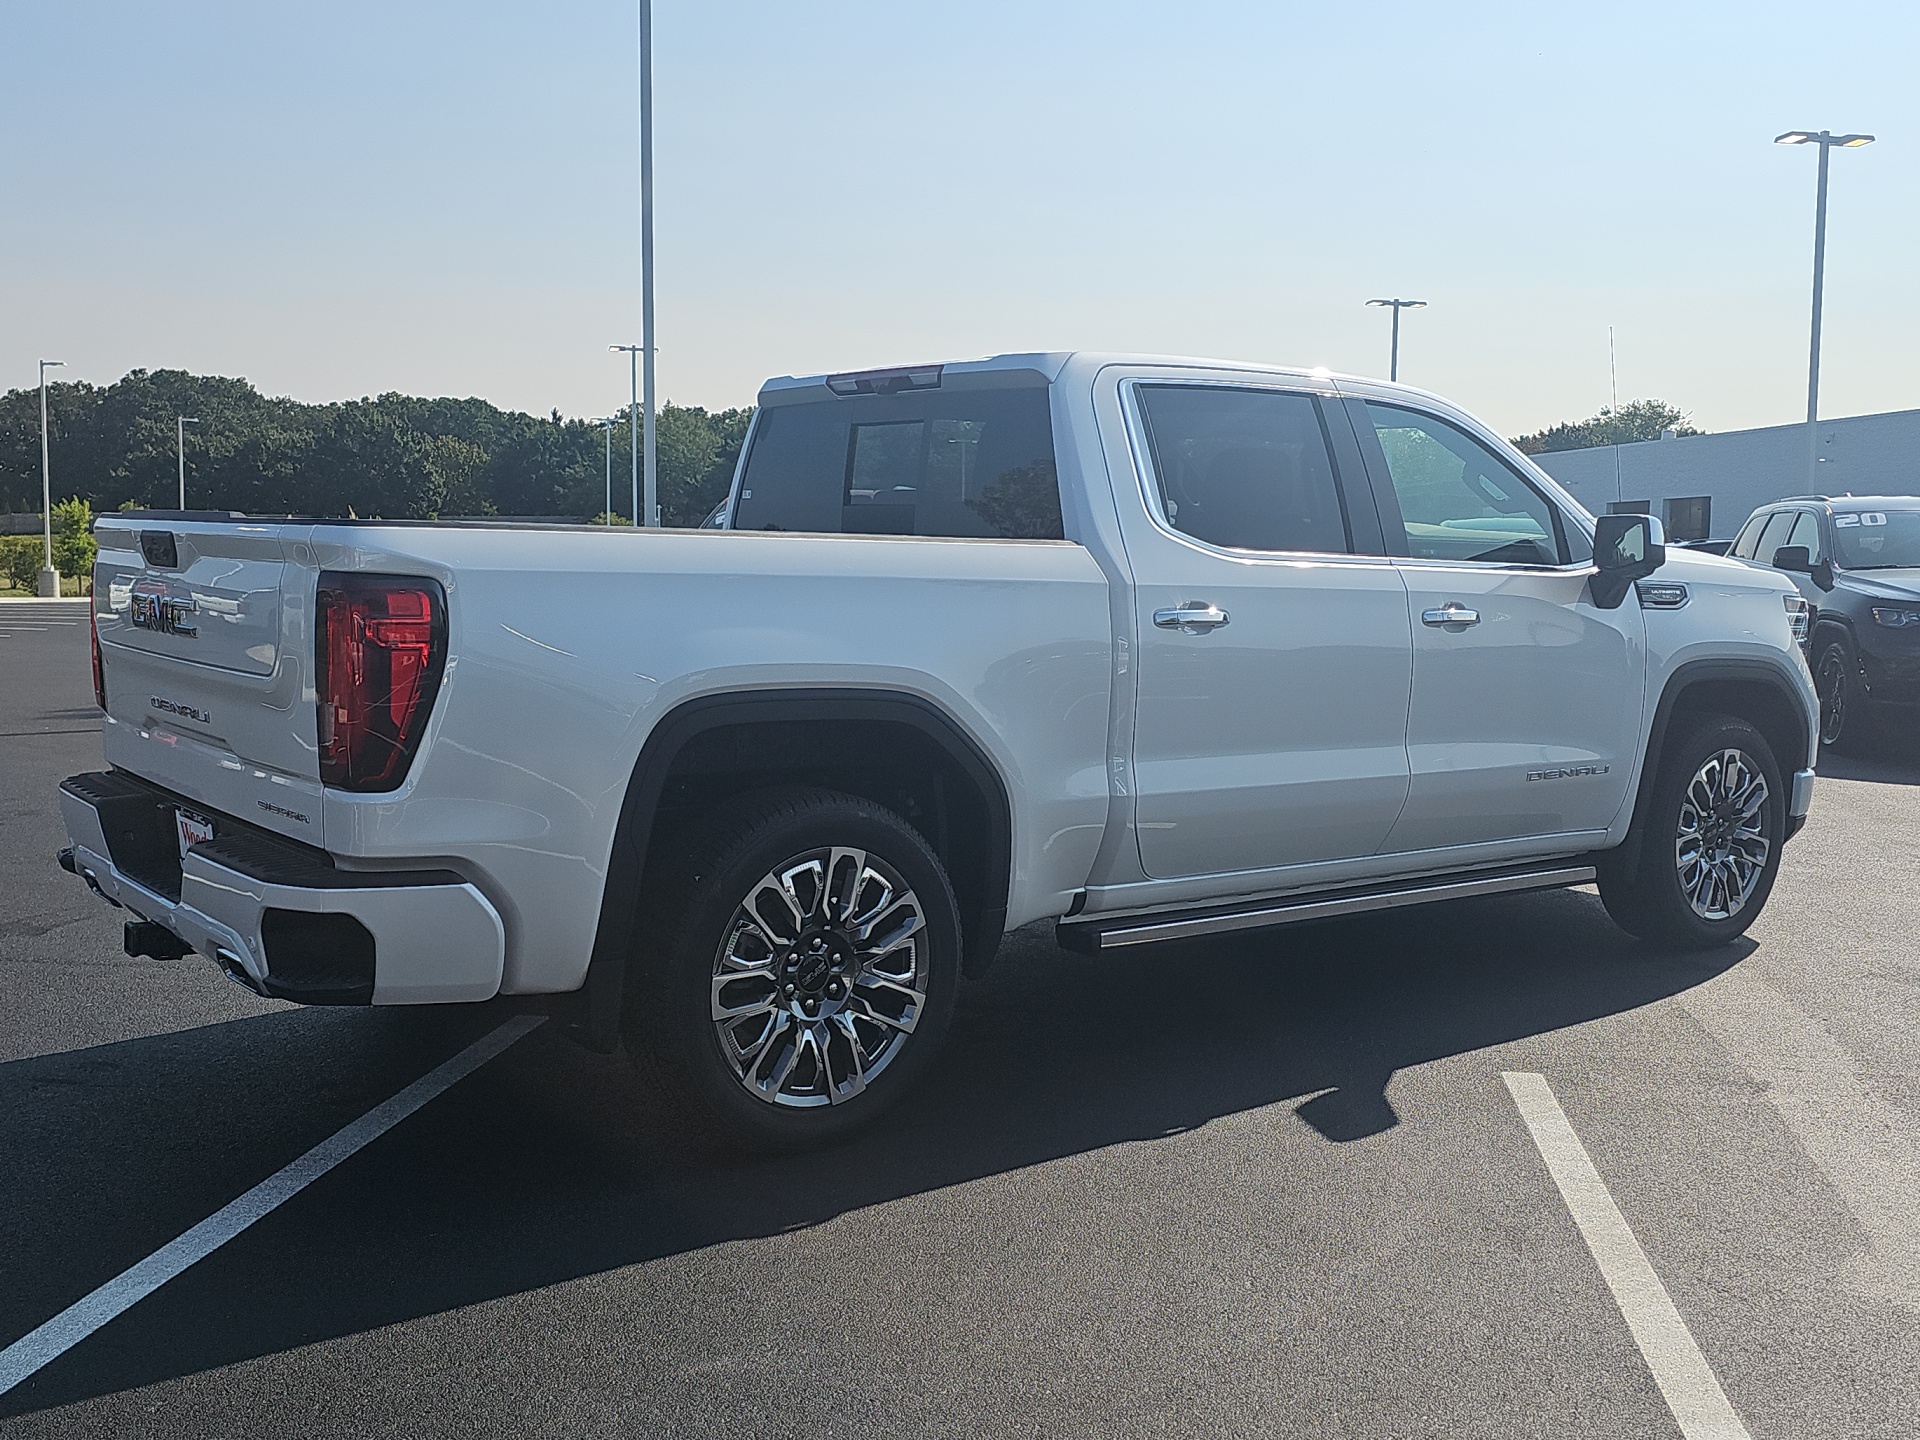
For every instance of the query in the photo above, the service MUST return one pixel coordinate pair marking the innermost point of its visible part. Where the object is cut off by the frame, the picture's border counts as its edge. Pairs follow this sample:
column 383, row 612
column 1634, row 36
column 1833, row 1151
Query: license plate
column 193, row 829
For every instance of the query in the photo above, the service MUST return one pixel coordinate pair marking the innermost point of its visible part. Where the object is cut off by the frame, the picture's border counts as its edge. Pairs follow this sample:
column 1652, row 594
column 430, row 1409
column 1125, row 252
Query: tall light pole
column 47, row 583
column 1826, row 141
column 651, row 513
column 1393, row 363
column 180, row 449
column 608, row 422
column 633, row 420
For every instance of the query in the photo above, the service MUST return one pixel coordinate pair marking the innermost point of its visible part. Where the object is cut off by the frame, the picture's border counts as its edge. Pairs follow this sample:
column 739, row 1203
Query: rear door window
column 1245, row 469
column 976, row 463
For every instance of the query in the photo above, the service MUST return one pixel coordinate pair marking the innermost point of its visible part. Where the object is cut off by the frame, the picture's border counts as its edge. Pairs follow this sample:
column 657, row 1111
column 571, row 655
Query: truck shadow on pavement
column 542, row 1167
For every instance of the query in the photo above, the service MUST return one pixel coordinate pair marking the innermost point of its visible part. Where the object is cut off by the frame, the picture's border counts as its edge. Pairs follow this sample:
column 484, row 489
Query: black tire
column 842, row 1039
column 1837, row 679
column 1657, row 900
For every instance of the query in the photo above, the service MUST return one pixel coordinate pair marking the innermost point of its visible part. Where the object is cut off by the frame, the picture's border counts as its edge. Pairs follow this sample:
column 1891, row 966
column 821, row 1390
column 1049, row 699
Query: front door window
column 1458, row 501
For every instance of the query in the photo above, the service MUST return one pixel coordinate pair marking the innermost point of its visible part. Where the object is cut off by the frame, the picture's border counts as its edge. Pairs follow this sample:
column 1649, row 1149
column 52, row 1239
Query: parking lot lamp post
column 47, row 583
column 1826, row 141
column 633, row 418
column 608, row 422
column 1393, row 362
column 180, row 449
column 650, row 515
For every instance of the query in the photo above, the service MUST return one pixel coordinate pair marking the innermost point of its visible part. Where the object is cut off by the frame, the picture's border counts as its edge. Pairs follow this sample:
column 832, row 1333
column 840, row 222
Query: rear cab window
column 974, row 462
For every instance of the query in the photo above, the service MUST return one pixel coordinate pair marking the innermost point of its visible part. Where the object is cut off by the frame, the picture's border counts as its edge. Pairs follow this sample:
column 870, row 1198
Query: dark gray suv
column 1856, row 558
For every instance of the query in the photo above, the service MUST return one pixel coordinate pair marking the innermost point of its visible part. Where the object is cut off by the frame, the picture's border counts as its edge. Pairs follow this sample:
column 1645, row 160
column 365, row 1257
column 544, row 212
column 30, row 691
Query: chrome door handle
column 1194, row 617
column 1451, row 613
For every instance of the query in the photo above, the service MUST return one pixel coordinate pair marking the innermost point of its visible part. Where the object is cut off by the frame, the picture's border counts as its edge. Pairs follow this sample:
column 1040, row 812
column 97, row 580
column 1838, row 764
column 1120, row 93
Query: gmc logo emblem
column 164, row 615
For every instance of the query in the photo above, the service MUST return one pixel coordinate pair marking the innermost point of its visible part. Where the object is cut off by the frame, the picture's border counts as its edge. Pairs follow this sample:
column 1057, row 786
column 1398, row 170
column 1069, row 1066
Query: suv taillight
column 380, row 642
column 99, row 671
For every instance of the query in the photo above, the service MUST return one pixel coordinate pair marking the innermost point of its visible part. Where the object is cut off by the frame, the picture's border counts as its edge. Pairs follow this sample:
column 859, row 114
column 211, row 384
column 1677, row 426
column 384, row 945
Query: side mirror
column 1795, row 559
column 1626, row 548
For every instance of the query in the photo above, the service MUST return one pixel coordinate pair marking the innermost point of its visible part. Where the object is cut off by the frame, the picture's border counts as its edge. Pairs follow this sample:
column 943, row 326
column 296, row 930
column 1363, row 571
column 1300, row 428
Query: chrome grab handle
column 1451, row 613
column 1193, row 617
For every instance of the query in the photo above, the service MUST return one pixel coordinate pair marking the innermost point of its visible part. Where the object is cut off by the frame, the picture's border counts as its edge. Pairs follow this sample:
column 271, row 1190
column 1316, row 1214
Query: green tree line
column 1635, row 421
column 389, row 456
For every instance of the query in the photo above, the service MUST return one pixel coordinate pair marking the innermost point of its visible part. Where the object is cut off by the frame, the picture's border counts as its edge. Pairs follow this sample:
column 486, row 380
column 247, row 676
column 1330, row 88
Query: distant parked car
column 1857, row 561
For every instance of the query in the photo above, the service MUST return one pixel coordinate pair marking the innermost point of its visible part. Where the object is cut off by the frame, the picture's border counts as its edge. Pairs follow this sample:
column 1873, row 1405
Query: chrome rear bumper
column 280, row 917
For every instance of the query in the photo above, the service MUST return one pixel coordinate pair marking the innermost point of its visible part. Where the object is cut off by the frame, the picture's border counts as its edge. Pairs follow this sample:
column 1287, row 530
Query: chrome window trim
column 1488, row 567
column 1149, row 479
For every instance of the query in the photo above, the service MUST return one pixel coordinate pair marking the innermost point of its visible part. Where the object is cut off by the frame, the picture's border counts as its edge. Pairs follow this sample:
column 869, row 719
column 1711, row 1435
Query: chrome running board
column 1094, row 936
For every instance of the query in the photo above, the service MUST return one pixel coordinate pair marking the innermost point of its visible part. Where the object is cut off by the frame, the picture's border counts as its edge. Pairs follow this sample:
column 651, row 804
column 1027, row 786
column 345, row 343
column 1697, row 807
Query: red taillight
column 379, row 644
column 99, row 671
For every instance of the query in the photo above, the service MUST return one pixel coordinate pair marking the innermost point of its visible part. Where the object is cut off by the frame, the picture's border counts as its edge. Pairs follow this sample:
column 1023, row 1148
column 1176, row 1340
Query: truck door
column 1526, row 696
column 1274, row 654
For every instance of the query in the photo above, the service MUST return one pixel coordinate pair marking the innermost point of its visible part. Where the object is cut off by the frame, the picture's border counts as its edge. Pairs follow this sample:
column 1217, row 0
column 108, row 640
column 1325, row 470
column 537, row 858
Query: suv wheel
column 811, row 951
column 1834, row 678
column 1711, row 844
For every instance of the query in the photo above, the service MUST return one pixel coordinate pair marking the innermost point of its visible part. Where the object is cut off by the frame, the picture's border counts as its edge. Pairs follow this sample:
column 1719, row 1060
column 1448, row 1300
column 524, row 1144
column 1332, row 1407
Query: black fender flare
column 1833, row 623
column 1684, row 678
column 597, row 1019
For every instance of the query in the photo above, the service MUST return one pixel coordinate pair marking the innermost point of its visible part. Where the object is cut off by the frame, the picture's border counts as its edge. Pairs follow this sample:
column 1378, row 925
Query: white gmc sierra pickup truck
column 1154, row 647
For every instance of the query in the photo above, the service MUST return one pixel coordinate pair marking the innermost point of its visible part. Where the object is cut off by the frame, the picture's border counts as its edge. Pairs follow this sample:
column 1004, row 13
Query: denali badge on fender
column 1569, row 772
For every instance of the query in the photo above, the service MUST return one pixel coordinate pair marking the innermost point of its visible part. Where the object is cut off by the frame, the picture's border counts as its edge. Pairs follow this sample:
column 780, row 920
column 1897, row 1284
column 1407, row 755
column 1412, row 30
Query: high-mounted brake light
column 380, row 643
column 886, row 382
column 99, row 670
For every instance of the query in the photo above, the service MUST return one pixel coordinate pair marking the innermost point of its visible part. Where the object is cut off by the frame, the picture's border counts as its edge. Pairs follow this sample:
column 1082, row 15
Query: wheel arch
column 885, row 745
column 1756, row 691
column 1833, row 625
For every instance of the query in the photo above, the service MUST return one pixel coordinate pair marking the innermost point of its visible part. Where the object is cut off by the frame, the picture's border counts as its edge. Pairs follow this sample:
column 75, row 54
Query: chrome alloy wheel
column 1721, row 847
column 820, row 978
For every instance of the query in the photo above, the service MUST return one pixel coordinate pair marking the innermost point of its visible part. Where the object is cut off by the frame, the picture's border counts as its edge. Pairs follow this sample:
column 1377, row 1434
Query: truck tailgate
column 205, row 647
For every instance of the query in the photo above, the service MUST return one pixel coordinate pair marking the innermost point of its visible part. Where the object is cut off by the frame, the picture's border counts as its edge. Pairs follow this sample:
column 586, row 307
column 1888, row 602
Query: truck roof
column 1033, row 367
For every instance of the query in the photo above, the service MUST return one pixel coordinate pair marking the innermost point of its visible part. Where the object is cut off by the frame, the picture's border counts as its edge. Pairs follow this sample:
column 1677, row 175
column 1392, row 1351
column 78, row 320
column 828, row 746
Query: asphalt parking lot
column 1271, row 1187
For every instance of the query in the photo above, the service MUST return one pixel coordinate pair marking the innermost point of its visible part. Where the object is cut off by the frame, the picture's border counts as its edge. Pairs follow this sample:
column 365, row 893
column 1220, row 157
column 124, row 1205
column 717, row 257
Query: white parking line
column 84, row 1316
column 1679, row 1369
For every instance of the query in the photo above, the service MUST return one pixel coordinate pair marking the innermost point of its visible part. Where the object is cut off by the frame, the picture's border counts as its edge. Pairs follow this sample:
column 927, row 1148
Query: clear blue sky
column 335, row 200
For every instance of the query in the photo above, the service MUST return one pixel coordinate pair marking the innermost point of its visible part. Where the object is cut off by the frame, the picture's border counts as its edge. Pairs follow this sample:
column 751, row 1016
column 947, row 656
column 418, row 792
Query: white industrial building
column 1704, row 486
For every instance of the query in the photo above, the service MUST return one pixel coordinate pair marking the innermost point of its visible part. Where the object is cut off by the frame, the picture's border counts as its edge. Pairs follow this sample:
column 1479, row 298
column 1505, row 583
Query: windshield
column 1877, row 539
